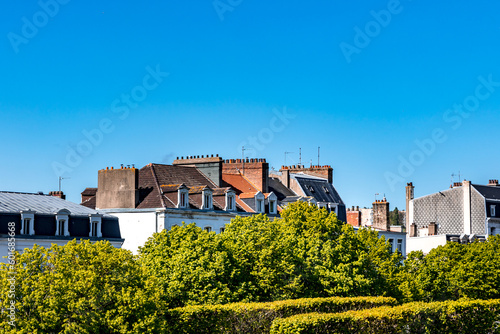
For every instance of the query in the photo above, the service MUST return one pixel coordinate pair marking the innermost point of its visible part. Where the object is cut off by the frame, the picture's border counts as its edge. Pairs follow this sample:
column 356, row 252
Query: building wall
column 135, row 227
column 478, row 213
column 138, row 225
column 366, row 217
column 444, row 208
column 425, row 244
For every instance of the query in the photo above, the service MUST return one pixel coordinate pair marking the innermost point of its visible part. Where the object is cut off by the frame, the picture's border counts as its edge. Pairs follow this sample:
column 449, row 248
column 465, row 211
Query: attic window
column 492, row 210
column 326, row 190
column 311, row 189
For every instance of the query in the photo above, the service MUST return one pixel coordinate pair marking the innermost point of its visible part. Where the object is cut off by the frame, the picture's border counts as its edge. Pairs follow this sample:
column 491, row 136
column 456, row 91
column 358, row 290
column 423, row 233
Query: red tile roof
column 239, row 183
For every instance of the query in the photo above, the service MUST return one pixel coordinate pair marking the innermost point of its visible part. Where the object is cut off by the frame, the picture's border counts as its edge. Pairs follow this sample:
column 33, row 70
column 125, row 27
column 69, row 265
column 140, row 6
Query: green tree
column 394, row 217
column 81, row 287
column 453, row 271
column 308, row 252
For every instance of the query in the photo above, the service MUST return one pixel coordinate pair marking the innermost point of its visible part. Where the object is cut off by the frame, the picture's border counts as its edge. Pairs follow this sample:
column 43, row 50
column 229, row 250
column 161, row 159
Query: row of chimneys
column 198, row 157
column 357, row 208
column 302, row 166
column 122, row 167
column 247, row 160
column 58, row 194
column 493, row 183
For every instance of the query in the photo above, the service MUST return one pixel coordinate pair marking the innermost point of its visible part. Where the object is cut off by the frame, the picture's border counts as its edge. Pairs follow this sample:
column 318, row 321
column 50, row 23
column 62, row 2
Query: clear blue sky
column 72, row 70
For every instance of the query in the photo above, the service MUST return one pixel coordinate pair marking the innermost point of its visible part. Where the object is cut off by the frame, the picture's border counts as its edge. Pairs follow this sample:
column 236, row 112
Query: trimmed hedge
column 258, row 317
column 462, row 316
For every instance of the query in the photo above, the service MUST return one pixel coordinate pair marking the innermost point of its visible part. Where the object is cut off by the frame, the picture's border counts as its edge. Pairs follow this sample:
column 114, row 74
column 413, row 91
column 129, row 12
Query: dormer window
column 230, row 201
column 183, row 197
column 95, row 226
column 492, row 210
column 62, row 218
column 28, row 222
column 273, row 207
column 259, row 202
column 207, row 199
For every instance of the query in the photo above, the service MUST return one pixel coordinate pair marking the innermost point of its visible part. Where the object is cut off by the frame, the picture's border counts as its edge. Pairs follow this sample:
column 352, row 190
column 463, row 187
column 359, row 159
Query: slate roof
column 489, row 192
column 319, row 188
column 279, row 189
column 13, row 202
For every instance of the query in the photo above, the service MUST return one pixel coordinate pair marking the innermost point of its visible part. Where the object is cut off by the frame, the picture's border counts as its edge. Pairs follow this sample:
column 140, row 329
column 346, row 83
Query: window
column 222, row 229
column 391, row 245
column 260, row 205
column 26, row 228
column 492, row 231
column 400, row 245
column 208, row 229
column 95, row 222
column 27, row 222
column 326, row 190
column 61, row 224
column 272, row 207
column 93, row 229
column 230, row 203
column 183, row 200
column 492, row 210
column 311, row 189
column 207, row 201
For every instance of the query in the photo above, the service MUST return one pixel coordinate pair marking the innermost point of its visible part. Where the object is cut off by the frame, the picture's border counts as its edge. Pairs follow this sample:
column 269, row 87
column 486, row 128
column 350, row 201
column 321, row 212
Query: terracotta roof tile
column 239, row 183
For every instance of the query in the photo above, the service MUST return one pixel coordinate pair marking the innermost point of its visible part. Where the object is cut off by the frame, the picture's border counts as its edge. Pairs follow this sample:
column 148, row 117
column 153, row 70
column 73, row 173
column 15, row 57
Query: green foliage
column 77, row 288
column 453, row 317
column 307, row 253
column 453, row 271
column 394, row 217
column 257, row 317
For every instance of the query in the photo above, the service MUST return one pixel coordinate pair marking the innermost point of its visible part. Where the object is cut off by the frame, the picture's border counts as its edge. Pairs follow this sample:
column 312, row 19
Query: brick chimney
column 210, row 166
column 354, row 217
column 432, row 229
column 409, row 196
column 117, row 188
column 58, row 194
column 381, row 215
column 493, row 183
column 325, row 172
column 255, row 170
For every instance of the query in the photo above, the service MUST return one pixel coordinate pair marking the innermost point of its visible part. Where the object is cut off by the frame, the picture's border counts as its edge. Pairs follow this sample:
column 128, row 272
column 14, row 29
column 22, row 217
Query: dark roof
column 489, row 192
column 319, row 188
column 158, row 185
column 89, row 192
column 279, row 189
